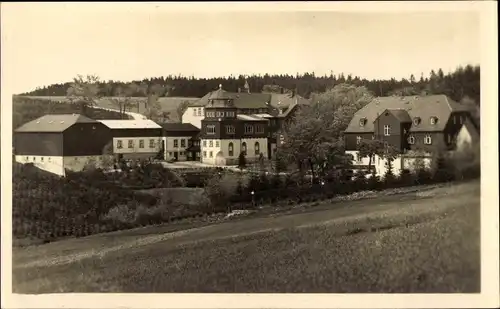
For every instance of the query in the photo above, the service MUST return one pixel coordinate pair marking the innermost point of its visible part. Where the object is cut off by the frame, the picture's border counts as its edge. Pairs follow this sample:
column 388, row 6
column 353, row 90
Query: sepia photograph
column 230, row 148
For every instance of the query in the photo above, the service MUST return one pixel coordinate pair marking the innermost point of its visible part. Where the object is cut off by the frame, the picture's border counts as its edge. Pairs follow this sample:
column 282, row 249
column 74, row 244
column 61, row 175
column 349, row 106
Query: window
column 199, row 111
column 362, row 122
column 204, row 154
column 211, row 154
column 230, row 149
column 119, row 144
column 130, row 143
column 216, row 143
column 176, row 143
column 141, row 143
column 204, row 143
column 230, row 130
column 433, row 120
column 170, row 154
column 41, row 159
column 411, row 140
column 181, row 153
column 358, row 157
column 259, row 129
column 195, row 110
column 454, row 119
column 416, row 121
column 211, row 143
column 358, row 140
column 244, row 148
column 27, row 158
column 257, row 148
column 183, row 143
column 428, row 140
column 387, row 130
column 48, row 159
column 151, row 143
column 248, row 129
column 373, row 137
column 211, row 129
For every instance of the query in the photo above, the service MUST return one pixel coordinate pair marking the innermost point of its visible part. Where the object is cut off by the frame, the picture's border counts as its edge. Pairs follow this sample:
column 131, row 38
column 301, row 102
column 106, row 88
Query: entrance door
column 176, row 156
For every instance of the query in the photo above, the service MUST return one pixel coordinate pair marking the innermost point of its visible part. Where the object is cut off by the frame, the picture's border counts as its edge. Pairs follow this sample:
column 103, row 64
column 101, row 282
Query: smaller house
column 135, row 139
column 181, row 141
column 56, row 143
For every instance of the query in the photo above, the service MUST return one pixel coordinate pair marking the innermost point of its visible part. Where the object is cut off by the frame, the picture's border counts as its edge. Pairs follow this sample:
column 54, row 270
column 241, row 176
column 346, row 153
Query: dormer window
column 362, row 122
column 416, row 121
column 411, row 140
column 434, row 120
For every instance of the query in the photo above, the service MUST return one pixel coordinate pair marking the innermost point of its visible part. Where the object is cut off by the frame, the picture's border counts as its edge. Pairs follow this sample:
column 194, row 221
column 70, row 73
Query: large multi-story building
column 414, row 125
column 255, row 117
column 57, row 143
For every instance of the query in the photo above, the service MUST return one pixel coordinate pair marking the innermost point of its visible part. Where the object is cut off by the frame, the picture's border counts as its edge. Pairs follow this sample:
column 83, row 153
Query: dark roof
column 253, row 100
column 220, row 94
column 400, row 114
column 179, row 127
column 425, row 107
column 54, row 123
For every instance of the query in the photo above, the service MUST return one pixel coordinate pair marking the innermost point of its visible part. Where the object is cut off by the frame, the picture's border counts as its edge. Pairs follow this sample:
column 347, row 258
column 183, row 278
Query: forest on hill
column 461, row 83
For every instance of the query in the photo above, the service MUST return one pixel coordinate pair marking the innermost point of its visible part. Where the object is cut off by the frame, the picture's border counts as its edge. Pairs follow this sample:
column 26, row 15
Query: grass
column 168, row 104
column 401, row 243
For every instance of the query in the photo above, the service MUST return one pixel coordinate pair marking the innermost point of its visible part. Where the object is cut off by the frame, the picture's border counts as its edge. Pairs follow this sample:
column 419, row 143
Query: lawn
column 416, row 242
column 168, row 104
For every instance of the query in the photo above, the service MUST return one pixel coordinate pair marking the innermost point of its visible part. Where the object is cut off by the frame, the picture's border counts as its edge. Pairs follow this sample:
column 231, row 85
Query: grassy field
column 168, row 104
column 424, row 241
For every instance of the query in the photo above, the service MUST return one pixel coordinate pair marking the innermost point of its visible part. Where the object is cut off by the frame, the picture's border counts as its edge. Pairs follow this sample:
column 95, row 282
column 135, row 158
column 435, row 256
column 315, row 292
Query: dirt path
column 372, row 210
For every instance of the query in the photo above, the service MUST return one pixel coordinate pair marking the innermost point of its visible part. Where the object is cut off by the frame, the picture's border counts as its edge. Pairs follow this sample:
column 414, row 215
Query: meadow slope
column 419, row 242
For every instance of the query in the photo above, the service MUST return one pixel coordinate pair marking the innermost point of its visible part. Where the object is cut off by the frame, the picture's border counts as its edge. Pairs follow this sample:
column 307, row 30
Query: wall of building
column 58, row 164
column 38, row 144
column 210, row 151
column 193, row 115
column 170, row 148
column 52, row 164
column 86, row 139
column 379, row 163
column 136, row 149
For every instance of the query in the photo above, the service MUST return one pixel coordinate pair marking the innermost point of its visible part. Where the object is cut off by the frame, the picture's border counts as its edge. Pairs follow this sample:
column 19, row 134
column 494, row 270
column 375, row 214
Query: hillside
column 425, row 241
column 167, row 104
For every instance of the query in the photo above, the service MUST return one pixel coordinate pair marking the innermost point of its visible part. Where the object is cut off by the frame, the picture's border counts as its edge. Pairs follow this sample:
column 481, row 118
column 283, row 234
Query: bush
column 219, row 190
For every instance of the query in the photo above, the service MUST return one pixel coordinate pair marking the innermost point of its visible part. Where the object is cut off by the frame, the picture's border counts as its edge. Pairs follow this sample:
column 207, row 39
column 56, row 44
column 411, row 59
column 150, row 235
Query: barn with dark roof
column 59, row 142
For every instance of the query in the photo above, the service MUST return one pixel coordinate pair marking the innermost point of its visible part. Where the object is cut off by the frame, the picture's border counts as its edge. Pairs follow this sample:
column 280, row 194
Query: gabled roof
column 179, row 127
column 54, row 123
column 219, row 94
column 400, row 114
column 425, row 107
column 131, row 124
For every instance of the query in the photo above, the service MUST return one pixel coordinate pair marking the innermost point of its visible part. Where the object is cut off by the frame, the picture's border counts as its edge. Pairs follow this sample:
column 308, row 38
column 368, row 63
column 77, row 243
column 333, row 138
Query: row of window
column 220, row 114
column 411, row 139
column 131, row 144
column 230, row 129
column 416, row 121
column 230, row 149
column 210, row 143
column 198, row 111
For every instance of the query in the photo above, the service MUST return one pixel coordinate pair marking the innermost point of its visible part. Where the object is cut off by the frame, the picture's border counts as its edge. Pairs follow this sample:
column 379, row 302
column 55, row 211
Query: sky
column 52, row 43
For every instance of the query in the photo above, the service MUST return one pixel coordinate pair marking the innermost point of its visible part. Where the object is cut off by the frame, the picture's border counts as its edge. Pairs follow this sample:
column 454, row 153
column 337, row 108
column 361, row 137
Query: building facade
column 135, row 139
column 225, row 133
column 181, row 142
column 415, row 126
column 57, row 143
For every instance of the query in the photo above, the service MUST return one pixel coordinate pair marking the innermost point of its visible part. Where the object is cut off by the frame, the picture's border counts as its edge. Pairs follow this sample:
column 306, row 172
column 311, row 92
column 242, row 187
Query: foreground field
column 420, row 242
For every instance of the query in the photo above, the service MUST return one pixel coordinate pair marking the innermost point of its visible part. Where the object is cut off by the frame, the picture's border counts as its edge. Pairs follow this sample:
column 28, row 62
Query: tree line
column 462, row 82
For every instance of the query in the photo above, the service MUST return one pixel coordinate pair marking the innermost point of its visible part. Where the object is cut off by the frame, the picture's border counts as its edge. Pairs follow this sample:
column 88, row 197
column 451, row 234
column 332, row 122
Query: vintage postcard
column 249, row 155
